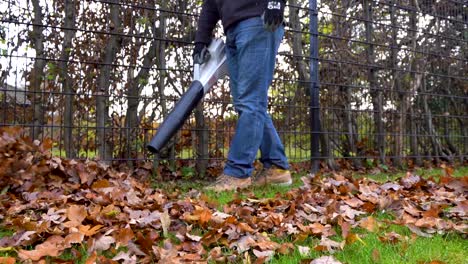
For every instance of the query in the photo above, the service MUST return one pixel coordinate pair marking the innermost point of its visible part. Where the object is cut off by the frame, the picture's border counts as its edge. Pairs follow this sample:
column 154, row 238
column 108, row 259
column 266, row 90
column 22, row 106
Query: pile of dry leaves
column 54, row 204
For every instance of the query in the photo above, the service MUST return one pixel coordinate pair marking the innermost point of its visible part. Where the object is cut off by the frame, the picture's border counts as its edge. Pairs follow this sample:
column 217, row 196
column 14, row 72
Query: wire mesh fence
column 98, row 77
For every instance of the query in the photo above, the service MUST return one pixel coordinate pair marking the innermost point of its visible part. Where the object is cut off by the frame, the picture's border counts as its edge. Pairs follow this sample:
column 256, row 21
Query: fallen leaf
column 123, row 236
column 303, row 251
column 418, row 231
column 285, row 248
column 369, row 223
column 92, row 258
column 325, row 260
column 76, row 214
column 193, row 237
column 264, row 254
column 7, row 260
column 125, row 258
column 354, row 202
column 376, row 255
column 102, row 183
column 391, row 238
column 165, row 222
column 329, row 245
column 52, row 247
column 103, row 243
column 73, row 238
column 25, row 236
column 87, row 230
column 352, row 238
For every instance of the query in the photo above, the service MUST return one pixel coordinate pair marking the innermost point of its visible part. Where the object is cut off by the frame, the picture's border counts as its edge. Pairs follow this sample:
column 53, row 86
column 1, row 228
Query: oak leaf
column 52, row 247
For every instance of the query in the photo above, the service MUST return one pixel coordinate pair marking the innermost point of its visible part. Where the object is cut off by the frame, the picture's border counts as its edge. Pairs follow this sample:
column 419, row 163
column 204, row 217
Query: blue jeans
column 251, row 53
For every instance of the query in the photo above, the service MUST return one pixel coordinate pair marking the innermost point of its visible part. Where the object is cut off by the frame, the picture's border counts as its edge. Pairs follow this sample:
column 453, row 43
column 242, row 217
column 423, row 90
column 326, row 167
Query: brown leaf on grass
column 125, row 258
column 303, row 251
column 123, row 236
column 448, row 171
column 92, row 258
column 103, row 243
column 391, row 185
column 167, row 254
column 84, row 175
column 354, row 202
column 193, row 237
column 369, row 223
column 345, row 228
column 132, row 197
column 264, row 255
column 285, row 248
column 165, row 222
column 426, row 222
column 376, row 256
column 76, row 214
column 87, row 230
column 461, row 209
column 73, row 238
column 434, row 211
column 329, row 245
column 350, row 213
column 245, row 228
column 102, row 183
column 352, row 238
column 7, row 260
column 20, row 238
column 243, row 244
column 410, row 180
column 216, row 255
column 418, row 231
column 391, row 238
column 143, row 217
column 325, row 260
column 301, row 237
column 411, row 209
column 52, row 247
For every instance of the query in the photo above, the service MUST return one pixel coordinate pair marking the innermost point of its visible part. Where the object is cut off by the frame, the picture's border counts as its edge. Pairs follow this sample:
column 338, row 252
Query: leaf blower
column 205, row 76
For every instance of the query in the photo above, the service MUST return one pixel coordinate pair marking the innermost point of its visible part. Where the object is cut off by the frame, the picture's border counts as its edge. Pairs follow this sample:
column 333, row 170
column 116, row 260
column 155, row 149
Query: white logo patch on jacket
column 274, row 5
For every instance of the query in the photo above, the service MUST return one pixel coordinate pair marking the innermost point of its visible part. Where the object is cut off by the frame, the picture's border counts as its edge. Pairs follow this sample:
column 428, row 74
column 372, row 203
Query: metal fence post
column 314, row 87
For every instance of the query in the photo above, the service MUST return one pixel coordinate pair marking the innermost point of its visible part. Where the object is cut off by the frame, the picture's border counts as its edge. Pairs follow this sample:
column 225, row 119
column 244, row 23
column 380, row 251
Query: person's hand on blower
column 201, row 53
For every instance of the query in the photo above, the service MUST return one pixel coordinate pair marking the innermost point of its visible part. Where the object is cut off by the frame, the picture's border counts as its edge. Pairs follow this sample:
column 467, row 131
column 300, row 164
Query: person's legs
column 251, row 53
column 271, row 148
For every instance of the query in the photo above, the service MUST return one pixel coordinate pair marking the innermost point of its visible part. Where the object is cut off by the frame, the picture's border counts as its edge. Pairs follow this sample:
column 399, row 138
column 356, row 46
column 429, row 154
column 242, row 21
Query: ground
column 56, row 210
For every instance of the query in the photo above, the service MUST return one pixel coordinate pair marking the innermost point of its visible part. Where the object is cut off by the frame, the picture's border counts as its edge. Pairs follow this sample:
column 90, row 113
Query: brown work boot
column 228, row 183
column 273, row 175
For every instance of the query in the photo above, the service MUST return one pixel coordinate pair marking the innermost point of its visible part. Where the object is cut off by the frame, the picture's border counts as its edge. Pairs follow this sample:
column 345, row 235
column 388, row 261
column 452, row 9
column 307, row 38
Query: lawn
column 56, row 210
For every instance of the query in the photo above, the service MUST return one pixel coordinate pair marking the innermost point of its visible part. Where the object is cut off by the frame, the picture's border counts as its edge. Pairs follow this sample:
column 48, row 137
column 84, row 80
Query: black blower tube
column 176, row 117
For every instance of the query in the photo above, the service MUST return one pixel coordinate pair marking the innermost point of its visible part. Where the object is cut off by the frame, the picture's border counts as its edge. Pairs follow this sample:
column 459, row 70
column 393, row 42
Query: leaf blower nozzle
column 206, row 75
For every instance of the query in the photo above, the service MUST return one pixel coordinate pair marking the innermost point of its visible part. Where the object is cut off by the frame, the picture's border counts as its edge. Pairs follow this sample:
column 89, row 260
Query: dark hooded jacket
column 229, row 11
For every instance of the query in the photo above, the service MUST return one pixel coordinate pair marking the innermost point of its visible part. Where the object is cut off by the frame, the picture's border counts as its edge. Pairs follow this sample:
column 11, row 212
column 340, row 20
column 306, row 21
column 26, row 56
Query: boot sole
column 283, row 183
column 287, row 183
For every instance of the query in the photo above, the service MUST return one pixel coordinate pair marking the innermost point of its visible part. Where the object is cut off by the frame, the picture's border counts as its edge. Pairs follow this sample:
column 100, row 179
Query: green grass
column 425, row 173
column 450, row 248
column 5, row 233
